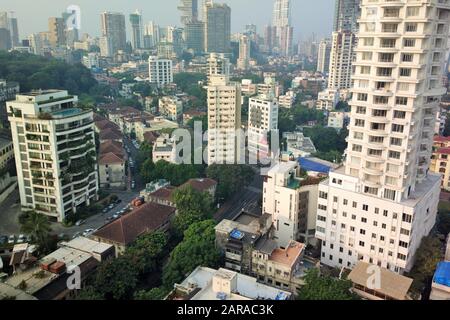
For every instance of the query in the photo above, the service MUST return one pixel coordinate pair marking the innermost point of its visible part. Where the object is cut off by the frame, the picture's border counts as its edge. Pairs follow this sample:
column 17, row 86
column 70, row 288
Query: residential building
column 209, row 284
column 328, row 99
column 337, row 120
column 57, row 31
column 217, row 64
column 6, row 152
column 114, row 37
column 440, row 160
column 298, row 145
column 164, row 149
column 122, row 232
column 282, row 30
column 54, row 148
column 383, row 201
column 171, row 107
column 188, row 11
column 224, row 119
column 346, row 15
column 440, row 287
column 243, row 62
column 137, row 30
column 8, row 91
column 323, row 56
column 341, row 57
column 217, row 28
column 287, row 100
column 279, row 267
column 160, row 71
column 91, row 60
column 55, row 269
column 112, row 165
column 262, row 119
column 142, row 128
column 237, row 238
column 392, row 285
column 291, row 200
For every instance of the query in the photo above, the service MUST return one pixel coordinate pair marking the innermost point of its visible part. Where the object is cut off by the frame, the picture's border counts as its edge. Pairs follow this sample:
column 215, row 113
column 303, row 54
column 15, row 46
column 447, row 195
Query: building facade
column 217, row 28
column 379, row 206
column 160, row 71
column 137, row 30
column 114, row 37
column 323, row 56
column 54, row 147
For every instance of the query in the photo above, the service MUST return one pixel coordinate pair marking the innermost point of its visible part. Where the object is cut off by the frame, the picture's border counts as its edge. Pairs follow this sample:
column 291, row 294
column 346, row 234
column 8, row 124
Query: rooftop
column 392, row 284
column 147, row 218
column 288, row 256
column 245, row 287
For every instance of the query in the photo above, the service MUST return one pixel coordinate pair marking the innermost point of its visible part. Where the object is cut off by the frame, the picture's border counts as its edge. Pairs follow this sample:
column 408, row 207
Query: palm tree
column 37, row 226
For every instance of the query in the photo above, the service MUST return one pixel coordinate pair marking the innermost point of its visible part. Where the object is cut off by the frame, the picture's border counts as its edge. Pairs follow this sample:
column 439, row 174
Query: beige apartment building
column 171, row 107
column 383, row 201
column 440, row 163
column 54, row 147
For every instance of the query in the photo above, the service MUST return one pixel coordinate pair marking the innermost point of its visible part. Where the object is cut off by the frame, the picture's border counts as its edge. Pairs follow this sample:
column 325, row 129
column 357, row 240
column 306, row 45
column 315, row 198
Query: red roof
column 110, row 158
column 110, row 134
column 113, row 146
column 164, row 193
column 200, row 184
column 150, row 136
column 441, row 138
column 145, row 219
column 443, row 150
column 105, row 124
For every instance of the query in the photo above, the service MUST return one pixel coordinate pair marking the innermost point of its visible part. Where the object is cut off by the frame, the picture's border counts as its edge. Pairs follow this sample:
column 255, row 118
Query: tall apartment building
column 57, row 31
column 346, row 15
column 194, row 36
column 282, row 36
column 379, row 206
column 188, row 11
column 292, row 202
column 9, row 31
column 243, row 62
column 151, row 35
column 54, row 148
column 323, row 56
column 263, row 117
column 341, row 56
column 114, row 35
column 217, row 64
column 217, row 28
column 137, row 30
column 14, row 30
column 224, row 118
column 160, row 71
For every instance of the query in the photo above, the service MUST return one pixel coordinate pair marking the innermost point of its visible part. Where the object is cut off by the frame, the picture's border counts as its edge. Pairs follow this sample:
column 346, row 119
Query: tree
column 147, row 251
column 428, row 255
column 193, row 206
column 321, row 287
column 37, row 226
column 197, row 249
column 177, row 174
column 230, row 178
column 152, row 294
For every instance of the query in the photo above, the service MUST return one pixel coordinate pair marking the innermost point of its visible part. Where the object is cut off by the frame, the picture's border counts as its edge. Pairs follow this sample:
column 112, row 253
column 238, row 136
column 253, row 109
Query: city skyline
column 302, row 15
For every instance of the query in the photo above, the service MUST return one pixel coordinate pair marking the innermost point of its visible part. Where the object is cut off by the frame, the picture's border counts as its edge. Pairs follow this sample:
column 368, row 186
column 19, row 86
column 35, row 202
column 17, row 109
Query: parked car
column 21, row 238
column 3, row 239
column 76, row 235
column 79, row 223
column 111, row 206
column 105, row 210
column 133, row 184
column 115, row 216
column 11, row 239
column 87, row 232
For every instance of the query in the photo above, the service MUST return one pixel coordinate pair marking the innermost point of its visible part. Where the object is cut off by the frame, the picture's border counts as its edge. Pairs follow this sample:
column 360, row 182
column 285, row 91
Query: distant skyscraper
column 283, row 30
column 137, row 37
column 57, row 31
column 188, row 10
column 14, row 32
column 151, row 35
column 8, row 24
column 341, row 58
column 194, row 36
column 244, row 52
column 346, row 14
column 113, row 32
column 323, row 56
column 217, row 28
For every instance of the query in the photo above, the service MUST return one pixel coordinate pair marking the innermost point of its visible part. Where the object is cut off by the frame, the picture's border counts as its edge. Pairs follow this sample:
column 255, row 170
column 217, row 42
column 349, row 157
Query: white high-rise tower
column 379, row 206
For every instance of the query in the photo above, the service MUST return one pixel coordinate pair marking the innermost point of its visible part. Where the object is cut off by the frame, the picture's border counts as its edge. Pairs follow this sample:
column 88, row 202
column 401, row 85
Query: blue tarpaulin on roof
column 310, row 165
column 442, row 274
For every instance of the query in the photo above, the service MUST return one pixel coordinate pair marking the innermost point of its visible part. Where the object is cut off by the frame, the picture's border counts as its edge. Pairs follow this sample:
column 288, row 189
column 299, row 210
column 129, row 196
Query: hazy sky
column 308, row 15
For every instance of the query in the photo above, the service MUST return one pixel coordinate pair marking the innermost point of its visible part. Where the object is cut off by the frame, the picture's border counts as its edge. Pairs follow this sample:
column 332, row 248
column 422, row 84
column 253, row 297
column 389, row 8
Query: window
column 401, row 101
column 412, row 11
column 408, row 43
column 411, row 27
column 396, row 141
column 365, row 207
column 322, row 207
column 323, row 195
column 397, row 128
column 405, row 72
column 361, row 244
column 321, row 218
column 359, row 122
column 407, row 218
column 361, row 110
column 388, row 43
column 368, row 42
column 403, row 244
column 362, row 231
column 367, row 55
column 389, row 194
column 357, row 148
column 394, row 154
column 407, row 57
column 401, row 256
column 384, row 72
column 364, row 220
column 399, row 114
column 386, row 57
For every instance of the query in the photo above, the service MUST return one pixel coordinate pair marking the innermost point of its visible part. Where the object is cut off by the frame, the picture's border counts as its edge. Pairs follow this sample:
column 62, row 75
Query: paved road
column 9, row 214
column 246, row 200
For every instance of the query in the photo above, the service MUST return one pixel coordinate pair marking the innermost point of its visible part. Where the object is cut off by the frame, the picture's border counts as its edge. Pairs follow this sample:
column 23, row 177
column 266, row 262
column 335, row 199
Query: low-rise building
column 337, row 120
column 210, row 284
column 328, row 99
column 156, row 124
column 440, row 287
column 170, row 107
column 277, row 267
column 391, row 285
column 298, row 145
column 440, row 160
column 164, row 149
column 287, row 100
column 47, row 279
column 123, row 231
column 112, row 164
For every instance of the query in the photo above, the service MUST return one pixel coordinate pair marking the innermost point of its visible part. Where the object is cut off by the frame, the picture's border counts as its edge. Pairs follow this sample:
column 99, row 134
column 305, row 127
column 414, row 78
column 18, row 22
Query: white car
column 88, row 232
column 11, row 239
column 21, row 238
